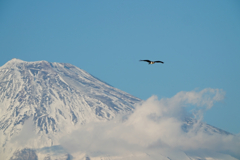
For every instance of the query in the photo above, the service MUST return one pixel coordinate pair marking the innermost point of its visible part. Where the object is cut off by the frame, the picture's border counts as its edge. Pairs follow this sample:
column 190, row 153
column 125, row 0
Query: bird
column 152, row 62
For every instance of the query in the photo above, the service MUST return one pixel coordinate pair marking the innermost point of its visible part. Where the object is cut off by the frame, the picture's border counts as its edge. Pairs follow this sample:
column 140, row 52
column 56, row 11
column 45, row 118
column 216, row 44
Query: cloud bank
column 156, row 126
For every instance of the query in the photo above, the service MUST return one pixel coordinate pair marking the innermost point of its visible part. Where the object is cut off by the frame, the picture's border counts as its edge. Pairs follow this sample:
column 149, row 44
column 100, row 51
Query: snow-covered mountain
column 57, row 96
column 41, row 102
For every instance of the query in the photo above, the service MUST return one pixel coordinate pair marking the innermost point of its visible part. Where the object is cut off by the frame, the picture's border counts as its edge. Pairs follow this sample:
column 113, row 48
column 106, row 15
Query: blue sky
column 199, row 41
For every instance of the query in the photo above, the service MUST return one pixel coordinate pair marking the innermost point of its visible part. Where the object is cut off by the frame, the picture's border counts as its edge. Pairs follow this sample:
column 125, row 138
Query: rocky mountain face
column 41, row 101
column 57, row 96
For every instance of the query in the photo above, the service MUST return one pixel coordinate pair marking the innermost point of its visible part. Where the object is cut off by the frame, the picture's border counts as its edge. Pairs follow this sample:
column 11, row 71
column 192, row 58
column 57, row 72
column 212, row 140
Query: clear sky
column 199, row 41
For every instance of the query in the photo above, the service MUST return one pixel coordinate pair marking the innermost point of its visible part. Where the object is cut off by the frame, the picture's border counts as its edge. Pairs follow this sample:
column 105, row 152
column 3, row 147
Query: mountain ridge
column 55, row 95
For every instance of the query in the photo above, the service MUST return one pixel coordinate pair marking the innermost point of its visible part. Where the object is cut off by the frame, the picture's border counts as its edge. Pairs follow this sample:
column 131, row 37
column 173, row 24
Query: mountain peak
column 16, row 62
column 12, row 62
column 57, row 97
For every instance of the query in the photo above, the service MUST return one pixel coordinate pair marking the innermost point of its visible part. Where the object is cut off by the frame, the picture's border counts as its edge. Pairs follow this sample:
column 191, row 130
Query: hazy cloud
column 156, row 125
column 27, row 133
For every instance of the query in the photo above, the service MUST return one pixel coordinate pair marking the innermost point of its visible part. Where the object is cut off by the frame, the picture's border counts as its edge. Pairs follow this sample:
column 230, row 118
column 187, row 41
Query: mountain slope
column 57, row 96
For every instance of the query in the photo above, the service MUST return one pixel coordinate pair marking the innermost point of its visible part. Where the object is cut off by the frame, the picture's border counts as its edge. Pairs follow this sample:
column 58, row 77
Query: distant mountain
column 57, row 96
column 41, row 101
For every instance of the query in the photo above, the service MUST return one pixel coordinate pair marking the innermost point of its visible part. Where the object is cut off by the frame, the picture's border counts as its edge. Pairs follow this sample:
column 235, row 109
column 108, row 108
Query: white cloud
column 25, row 135
column 155, row 125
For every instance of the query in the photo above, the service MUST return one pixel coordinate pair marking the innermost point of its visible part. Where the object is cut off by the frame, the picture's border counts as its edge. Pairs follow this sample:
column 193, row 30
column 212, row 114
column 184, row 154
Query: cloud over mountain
column 157, row 125
column 58, row 111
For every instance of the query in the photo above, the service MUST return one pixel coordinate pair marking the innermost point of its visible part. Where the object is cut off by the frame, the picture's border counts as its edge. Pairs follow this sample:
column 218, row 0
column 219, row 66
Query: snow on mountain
column 43, row 105
column 57, row 96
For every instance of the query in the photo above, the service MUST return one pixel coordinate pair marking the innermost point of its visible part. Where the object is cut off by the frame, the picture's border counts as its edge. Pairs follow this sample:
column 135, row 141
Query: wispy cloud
column 25, row 135
column 156, row 125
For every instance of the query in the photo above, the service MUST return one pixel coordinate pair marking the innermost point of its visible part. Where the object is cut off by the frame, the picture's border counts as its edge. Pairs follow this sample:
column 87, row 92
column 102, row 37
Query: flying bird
column 152, row 62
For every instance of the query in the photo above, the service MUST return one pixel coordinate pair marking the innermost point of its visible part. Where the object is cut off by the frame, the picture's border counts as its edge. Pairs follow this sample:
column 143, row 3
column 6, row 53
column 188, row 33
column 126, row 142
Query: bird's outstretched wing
column 146, row 61
column 159, row 62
